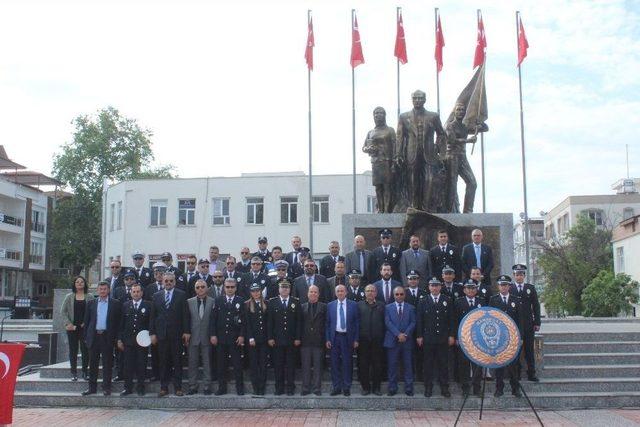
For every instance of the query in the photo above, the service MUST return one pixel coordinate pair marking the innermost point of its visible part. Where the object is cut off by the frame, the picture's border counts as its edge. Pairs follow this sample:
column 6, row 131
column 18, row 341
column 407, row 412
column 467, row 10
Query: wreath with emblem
column 486, row 359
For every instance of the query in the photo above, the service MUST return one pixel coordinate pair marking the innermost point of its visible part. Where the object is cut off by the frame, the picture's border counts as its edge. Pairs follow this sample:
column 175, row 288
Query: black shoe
column 305, row 393
column 391, row 393
column 488, row 378
column 192, row 391
column 409, row 392
column 465, row 392
column 445, row 393
column 365, row 392
column 317, row 393
column 118, row 379
column 141, row 391
column 278, row 393
column 163, row 393
column 498, row 393
column 74, row 378
column 106, row 393
column 207, row 391
column 291, row 392
column 335, row 392
column 85, row 377
column 428, row 392
column 476, row 391
column 221, row 391
column 377, row 392
column 126, row 393
column 88, row 392
column 533, row 378
column 240, row 391
column 347, row 392
column 516, row 393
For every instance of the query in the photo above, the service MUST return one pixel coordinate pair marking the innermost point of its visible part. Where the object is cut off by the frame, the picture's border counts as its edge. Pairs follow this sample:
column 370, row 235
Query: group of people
column 397, row 311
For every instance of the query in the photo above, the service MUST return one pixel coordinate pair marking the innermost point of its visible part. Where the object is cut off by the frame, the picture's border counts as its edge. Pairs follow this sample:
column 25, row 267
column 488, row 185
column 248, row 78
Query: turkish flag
column 400, row 51
column 308, row 53
column 10, row 357
column 523, row 44
column 481, row 45
column 357, row 57
column 439, row 45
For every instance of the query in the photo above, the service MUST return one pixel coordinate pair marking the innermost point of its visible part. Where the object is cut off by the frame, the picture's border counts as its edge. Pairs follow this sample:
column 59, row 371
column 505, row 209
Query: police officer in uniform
column 511, row 305
column 450, row 287
column 386, row 254
column 144, row 275
column 135, row 318
column 284, row 332
column 167, row 259
column 414, row 293
column 484, row 290
column 444, row 253
column 434, row 331
column 282, row 273
column 255, row 275
column 256, row 337
column 297, row 268
column 227, row 327
column 530, row 316
column 263, row 253
column 122, row 294
column 463, row 306
column 355, row 291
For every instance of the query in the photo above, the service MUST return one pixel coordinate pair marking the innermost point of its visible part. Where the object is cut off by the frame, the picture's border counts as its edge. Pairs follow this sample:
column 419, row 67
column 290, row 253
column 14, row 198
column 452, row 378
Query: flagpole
column 484, row 192
column 353, row 120
column 398, row 9
column 524, row 165
column 435, row 13
column 310, row 150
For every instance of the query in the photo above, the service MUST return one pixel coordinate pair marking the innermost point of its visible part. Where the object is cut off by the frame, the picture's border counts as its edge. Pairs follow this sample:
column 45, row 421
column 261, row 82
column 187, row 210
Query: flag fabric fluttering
column 481, row 44
column 400, row 50
column 308, row 53
column 474, row 98
column 357, row 57
column 523, row 44
column 439, row 45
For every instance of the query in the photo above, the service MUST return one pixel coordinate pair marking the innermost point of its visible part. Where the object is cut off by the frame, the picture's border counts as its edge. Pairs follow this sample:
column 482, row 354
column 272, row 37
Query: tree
column 571, row 262
column 609, row 295
column 104, row 145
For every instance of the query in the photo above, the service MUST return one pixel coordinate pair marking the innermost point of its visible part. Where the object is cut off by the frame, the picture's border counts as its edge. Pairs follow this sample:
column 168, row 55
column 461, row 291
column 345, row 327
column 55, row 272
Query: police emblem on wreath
column 489, row 337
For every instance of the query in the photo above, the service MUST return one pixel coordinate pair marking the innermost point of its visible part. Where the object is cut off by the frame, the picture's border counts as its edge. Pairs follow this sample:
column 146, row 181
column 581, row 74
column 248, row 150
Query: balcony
column 37, row 227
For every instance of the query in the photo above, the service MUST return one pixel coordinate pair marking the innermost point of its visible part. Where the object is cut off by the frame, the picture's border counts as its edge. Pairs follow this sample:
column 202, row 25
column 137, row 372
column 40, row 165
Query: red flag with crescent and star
column 357, row 57
column 481, row 45
column 308, row 53
column 439, row 45
column 523, row 44
column 10, row 358
column 400, row 50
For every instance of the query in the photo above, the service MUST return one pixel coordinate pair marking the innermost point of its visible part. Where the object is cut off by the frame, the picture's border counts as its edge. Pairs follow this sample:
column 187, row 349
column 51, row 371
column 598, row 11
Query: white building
column 626, row 250
column 536, row 235
column 187, row 215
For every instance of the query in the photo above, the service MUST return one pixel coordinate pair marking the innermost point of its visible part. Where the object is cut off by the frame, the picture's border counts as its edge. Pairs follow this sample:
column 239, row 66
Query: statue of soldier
column 418, row 153
column 456, row 160
column 380, row 145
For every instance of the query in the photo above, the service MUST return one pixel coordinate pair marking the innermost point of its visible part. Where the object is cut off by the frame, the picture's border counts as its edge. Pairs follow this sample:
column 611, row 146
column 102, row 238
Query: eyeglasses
column 138, row 258
column 386, row 237
column 200, row 287
column 399, row 295
column 217, row 277
column 256, row 263
column 229, row 287
column 244, row 253
column 191, row 263
column 230, row 262
column 115, row 266
column 281, row 269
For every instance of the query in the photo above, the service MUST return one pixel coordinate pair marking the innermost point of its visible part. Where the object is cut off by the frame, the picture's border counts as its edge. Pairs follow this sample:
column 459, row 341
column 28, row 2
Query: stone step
column 550, row 385
column 592, row 347
column 590, row 336
column 591, row 358
column 590, row 371
column 400, row 401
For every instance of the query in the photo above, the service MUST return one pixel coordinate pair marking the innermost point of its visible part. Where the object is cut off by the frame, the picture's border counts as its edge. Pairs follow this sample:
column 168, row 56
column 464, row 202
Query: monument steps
column 592, row 347
column 590, row 336
column 591, row 358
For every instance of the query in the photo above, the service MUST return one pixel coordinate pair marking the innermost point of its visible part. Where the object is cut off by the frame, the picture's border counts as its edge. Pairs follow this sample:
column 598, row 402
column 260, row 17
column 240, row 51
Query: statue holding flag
column 380, row 145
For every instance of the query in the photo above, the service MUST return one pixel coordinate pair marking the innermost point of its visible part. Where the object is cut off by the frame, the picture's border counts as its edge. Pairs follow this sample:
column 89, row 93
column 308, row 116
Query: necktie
column 167, row 299
column 284, row 304
column 361, row 262
column 415, row 254
column 477, row 250
column 435, row 300
column 139, row 272
column 471, row 304
column 504, row 299
column 200, row 308
column 308, row 281
column 443, row 249
column 386, row 251
column 400, row 310
column 413, row 292
column 135, row 306
column 519, row 289
column 335, row 259
column 387, row 293
column 342, row 319
column 128, row 291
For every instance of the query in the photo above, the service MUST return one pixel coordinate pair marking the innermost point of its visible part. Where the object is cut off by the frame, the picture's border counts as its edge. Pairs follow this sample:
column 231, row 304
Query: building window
column 595, row 215
column 43, row 289
column 37, row 221
column 187, row 211
column 255, row 210
column 119, row 216
column 221, row 211
column 37, row 252
column 620, row 259
column 158, row 213
column 372, row 204
column 288, row 210
column 627, row 213
column 321, row 209
column 112, row 215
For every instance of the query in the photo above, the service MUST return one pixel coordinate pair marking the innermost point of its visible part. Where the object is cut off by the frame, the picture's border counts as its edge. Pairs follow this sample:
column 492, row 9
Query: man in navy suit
column 477, row 254
column 400, row 321
column 386, row 284
column 342, row 334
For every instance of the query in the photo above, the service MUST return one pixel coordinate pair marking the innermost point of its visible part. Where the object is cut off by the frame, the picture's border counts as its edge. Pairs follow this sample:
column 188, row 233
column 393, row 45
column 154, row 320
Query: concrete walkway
column 68, row 417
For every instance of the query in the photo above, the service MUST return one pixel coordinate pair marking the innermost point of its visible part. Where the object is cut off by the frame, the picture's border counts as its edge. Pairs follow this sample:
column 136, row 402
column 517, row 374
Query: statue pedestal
column 497, row 229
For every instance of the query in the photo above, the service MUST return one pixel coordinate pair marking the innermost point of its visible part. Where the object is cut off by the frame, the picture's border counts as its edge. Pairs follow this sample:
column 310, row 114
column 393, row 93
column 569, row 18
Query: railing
column 10, row 254
column 11, row 220
column 37, row 227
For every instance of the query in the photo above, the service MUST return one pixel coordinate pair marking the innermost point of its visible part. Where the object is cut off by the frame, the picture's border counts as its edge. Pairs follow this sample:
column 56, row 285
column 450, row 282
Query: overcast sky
column 223, row 85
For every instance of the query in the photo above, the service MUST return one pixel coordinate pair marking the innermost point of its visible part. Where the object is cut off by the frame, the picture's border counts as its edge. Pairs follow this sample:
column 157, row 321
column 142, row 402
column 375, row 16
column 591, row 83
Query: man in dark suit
column 136, row 313
column 102, row 322
column 328, row 262
column 122, row 294
column 386, row 254
column 201, row 274
column 302, row 283
column 434, row 333
column 297, row 269
column 228, row 331
column 362, row 259
column 477, row 254
column 444, row 253
column 511, row 305
column 339, row 277
column 117, row 276
column 417, row 259
column 263, row 252
column 296, row 245
column 342, row 334
column 284, row 330
column 144, row 275
column 157, row 285
column 255, row 275
column 231, row 268
column 245, row 261
column 463, row 306
column 314, row 316
column 189, row 276
column 166, row 329
column 400, row 322
column 530, row 316
column 370, row 350
column 386, row 284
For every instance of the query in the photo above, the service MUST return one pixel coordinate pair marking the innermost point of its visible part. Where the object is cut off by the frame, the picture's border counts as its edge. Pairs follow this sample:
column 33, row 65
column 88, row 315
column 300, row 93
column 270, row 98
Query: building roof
column 627, row 228
column 6, row 163
column 30, row 178
column 597, row 199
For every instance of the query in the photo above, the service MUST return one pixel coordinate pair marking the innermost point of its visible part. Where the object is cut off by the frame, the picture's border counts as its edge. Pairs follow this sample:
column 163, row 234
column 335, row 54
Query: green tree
column 108, row 146
column 571, row 262
column 609, row 295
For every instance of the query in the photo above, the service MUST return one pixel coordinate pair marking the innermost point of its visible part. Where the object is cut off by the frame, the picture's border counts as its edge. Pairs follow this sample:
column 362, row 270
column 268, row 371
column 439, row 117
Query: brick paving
column 70, row 417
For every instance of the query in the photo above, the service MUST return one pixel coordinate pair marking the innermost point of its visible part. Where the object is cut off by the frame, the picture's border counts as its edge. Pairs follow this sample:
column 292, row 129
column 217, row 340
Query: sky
column 223, row 84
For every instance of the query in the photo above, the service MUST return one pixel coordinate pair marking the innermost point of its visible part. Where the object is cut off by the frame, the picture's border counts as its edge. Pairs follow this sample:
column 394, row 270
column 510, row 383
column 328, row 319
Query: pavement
column 68, row 417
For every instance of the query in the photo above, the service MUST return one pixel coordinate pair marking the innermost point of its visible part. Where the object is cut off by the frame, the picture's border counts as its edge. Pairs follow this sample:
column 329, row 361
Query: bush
column 609, row 295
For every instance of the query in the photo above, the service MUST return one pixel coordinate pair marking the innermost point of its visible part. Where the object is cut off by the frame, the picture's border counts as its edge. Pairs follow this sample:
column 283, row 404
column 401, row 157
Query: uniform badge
column 142, row 310
column 237, row 305
column 444, row 303
column 528, row 291
column 293, row 306
column 262, row 281
column 513, row 304
column 455, row 294
column 450, row 251
column 238, row 280
column 484, row 291
column 394, row 255
column 361, row 293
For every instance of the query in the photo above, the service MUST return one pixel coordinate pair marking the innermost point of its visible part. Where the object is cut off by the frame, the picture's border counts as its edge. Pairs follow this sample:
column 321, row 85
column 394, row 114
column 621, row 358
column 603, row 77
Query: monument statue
column 380, row 145
column 419, row 156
